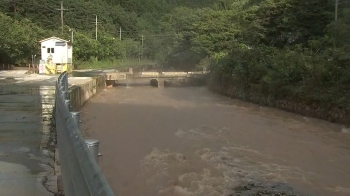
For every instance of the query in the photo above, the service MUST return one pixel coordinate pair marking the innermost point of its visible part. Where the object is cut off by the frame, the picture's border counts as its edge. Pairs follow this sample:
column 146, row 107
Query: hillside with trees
column 272, row 49
column 121, row 27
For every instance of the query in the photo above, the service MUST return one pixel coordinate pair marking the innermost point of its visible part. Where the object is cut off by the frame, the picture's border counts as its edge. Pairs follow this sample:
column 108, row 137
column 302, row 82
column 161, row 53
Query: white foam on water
column 212, row 171
column 339, row 189
column 345, row 130
column 24, row 149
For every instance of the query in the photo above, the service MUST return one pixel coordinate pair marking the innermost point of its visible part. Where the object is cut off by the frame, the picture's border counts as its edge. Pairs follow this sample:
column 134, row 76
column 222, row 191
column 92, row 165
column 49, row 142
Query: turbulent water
column 191, row 142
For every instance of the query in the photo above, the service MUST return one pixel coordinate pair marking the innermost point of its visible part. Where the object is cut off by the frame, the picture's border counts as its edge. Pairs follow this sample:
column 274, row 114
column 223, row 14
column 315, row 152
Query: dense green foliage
column 136, row 19
column 277, row 48
column 296, row 51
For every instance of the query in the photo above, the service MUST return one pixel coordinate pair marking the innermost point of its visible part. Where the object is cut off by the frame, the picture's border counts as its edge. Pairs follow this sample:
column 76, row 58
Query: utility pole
column 120, row 33
column 61, row 9
column 32, row 62
column 72, row 36
column 96, row 27
column 142, row 40
column 336, row 10
column 15, row 7
column 142, row 46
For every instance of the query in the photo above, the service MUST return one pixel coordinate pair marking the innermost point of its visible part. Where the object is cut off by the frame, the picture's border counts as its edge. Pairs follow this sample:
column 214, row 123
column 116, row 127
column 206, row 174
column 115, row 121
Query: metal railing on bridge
column 80, row 172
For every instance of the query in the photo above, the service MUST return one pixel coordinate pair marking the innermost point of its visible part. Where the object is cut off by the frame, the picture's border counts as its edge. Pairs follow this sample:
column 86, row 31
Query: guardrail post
column 67, row 104
column 93, row 147
column 76, row 117
column 63, row 85
column 66, row 84
column 64, row 93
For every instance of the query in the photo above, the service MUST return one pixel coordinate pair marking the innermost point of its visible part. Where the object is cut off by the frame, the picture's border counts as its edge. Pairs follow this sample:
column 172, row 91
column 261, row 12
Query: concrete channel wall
column 83, row 88
column 78, row 166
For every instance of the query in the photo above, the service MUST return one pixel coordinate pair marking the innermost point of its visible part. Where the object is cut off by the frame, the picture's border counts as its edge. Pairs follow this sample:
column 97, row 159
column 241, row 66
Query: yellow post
column 50, row 69
column 65, row 67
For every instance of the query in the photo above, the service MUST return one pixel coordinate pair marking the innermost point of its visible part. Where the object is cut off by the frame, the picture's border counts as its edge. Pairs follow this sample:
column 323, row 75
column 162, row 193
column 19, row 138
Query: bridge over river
column 189, row 141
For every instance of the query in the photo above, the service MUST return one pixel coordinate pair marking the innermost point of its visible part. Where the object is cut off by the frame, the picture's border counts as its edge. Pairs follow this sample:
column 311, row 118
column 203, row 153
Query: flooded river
column 191, row 142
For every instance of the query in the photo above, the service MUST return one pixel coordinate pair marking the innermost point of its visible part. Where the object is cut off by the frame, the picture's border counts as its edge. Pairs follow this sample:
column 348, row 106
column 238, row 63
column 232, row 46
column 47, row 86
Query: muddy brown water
column 189, row 141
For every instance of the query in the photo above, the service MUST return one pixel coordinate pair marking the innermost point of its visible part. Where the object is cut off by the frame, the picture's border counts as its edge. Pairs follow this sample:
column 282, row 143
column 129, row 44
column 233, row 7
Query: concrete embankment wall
column 314, row 109
column 82, row 91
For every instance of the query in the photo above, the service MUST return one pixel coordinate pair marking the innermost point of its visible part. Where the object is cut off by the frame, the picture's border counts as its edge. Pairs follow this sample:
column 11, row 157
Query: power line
column 62, row 9
column 120, row 33
column 338, row 7
column 96, row 27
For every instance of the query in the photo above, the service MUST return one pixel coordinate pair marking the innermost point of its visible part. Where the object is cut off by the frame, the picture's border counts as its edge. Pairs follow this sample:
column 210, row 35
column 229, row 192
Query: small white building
column 57, row 54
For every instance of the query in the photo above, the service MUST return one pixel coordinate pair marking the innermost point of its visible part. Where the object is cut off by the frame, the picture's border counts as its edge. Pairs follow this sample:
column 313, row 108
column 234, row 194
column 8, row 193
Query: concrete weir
column 158, row 79
column 160, row 83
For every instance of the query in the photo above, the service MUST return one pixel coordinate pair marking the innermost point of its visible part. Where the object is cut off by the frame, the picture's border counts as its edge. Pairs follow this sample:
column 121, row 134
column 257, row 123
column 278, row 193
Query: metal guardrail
column 81, row 174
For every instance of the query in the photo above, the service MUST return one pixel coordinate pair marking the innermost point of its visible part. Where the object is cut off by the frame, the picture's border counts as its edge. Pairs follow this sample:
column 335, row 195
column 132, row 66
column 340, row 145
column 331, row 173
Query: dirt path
column 188, row 141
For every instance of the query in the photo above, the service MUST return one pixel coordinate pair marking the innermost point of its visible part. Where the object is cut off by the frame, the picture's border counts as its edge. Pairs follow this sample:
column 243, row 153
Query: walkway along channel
column 80, row 172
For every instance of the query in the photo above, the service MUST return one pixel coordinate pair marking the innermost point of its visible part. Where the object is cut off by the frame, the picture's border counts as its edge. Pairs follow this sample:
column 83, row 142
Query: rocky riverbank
column 329, row 112
column 271, row 189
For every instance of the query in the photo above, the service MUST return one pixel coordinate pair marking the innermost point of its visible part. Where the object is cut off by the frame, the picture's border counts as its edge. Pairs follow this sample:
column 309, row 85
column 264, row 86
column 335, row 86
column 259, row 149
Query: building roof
column 53, row 38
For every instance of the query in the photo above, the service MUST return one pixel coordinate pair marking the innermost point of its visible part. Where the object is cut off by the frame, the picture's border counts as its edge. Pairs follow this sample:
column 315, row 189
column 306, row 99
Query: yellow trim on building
column 52, row 69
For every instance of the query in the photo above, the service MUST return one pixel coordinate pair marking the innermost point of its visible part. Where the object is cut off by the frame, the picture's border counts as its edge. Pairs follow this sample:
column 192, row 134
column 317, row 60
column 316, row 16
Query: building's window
column 60, row 43
column 50, row 50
